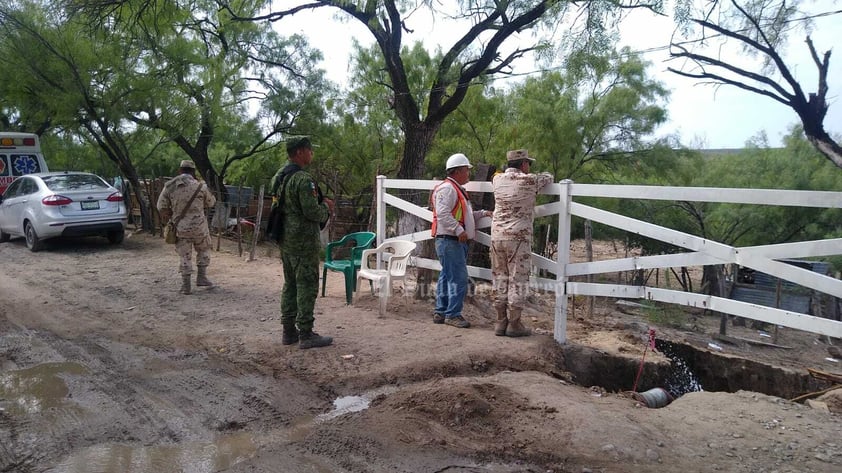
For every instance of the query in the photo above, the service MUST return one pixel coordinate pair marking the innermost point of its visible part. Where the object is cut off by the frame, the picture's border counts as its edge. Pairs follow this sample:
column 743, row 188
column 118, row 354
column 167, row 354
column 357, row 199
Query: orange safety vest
column 458, row 211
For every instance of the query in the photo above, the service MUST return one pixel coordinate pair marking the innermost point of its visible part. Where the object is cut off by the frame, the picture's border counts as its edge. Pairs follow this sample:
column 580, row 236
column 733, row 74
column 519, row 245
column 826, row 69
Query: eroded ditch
column 712, row 372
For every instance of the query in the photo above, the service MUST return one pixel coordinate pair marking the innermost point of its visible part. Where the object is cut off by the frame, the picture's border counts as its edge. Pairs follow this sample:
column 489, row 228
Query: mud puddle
column 219, row 454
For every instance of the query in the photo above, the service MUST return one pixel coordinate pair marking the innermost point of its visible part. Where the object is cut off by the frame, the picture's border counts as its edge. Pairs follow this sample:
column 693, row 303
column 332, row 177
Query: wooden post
column 220, row 223
column 153, row 207
column 589, row 254
column 257, row 223
column 778, row 289
column 237, row 214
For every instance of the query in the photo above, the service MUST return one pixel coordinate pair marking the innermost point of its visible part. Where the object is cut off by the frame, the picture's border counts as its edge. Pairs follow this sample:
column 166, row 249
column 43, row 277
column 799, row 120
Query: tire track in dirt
column 171, row 397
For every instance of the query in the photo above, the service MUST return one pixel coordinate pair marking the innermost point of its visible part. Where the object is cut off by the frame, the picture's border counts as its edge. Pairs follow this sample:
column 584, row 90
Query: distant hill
column 719, row 152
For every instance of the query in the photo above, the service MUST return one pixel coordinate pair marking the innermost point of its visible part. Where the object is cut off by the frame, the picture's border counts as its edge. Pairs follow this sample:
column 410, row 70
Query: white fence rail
column 700, row 251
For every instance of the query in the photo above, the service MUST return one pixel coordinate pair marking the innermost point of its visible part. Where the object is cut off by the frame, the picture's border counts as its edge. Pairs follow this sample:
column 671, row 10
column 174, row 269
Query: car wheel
column 116, row 237
column 32, row 240
column 4, row 237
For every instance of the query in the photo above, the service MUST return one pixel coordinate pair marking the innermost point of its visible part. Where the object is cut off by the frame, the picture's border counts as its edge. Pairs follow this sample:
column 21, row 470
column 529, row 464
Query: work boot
column 516, row 327
column 185, row 284
column 290, row 335
column 202, row 277
column 311, row 339
column 458, row 322
column 502, row 322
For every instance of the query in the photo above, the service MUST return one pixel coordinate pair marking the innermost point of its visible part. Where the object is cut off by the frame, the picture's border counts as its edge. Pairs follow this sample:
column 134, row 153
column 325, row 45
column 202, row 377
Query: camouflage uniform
column 511, row 235
column 300, row 247
column 192, row 229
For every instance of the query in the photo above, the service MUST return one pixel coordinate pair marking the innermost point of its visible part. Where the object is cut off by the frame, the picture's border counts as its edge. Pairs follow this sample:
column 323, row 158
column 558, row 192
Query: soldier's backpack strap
column 275, row 226
column 281, row 181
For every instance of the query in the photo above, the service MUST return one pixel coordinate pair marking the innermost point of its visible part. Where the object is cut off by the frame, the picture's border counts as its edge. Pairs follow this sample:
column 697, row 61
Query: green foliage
column 590, row 120
column 475, row 129
column 666, row 315
column 152, row 84
column 797, row 166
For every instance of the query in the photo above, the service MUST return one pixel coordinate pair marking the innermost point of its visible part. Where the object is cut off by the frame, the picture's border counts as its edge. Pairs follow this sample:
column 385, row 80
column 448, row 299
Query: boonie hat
column 187, row 164
column 296, row 142
column 517, row 155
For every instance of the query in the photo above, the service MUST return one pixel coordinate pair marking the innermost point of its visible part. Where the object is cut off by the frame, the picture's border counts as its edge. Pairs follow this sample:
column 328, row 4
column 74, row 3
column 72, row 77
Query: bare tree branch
column 811, row 110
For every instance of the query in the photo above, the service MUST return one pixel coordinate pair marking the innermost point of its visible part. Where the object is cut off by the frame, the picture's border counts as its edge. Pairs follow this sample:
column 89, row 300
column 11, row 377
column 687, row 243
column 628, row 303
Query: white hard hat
column 456, row 161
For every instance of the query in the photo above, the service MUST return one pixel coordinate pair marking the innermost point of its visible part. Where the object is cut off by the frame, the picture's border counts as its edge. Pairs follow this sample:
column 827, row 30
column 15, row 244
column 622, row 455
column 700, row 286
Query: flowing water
column 681, row 379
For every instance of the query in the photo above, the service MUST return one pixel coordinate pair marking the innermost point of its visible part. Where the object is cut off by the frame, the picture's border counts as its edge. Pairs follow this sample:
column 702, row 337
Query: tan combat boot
column 202, row 277
column 502, row 322
column 185, row 284
column 516, row 328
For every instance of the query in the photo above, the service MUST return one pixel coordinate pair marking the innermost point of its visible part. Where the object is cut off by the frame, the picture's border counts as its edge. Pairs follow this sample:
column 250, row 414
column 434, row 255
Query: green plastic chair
column 360, row 241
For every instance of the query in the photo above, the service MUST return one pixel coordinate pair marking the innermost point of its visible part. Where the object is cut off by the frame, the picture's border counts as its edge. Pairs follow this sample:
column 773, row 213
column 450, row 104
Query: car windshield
column 70, row 182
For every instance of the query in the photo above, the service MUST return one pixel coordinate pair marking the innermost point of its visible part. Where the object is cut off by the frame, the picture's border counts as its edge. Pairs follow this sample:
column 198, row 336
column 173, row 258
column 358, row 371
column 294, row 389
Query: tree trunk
column 111, row 142
column 828, row 147
column 711, row 277
column 419, row 137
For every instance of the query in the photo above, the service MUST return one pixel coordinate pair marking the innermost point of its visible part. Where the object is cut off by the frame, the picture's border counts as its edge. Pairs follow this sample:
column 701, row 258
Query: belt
column 448, row 237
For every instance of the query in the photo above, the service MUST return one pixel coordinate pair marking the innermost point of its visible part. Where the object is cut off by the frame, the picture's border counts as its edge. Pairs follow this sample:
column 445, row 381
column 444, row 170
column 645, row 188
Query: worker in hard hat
column 454, row 223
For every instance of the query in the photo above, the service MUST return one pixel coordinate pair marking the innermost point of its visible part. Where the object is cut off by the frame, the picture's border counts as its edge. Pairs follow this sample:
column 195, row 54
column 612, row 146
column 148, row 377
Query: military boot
column 516, row 327
column 185, row 284
column 311, row 339
column 290, row 335
column 502, row 322
column 202, row 277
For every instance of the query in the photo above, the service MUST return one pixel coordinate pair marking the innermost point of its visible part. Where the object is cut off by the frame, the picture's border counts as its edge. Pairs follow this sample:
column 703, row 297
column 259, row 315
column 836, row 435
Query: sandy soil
column 106, row 368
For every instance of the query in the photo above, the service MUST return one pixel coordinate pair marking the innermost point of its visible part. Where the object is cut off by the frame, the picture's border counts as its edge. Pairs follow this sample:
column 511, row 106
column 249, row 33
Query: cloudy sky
column 701, row 115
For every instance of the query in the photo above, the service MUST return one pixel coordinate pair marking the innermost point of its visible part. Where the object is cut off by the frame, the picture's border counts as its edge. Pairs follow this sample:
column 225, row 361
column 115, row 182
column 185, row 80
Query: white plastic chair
column 395, row 254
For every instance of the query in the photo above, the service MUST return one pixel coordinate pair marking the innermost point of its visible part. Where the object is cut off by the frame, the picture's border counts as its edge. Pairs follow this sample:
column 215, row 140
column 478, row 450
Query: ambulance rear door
column 20, row 153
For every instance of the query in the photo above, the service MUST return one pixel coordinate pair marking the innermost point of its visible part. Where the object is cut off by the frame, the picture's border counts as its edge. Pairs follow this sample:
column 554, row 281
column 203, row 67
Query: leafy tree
column 64, row 79
column 112, row 75
column 208, row 72
column 798, row 166
column 586, row 122
column 484, row 50
column 476, row 128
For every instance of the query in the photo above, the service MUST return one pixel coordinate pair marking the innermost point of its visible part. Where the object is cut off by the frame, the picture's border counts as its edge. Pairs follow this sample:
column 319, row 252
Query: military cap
column 187, row 164
column 517, row 155
column 296, row 142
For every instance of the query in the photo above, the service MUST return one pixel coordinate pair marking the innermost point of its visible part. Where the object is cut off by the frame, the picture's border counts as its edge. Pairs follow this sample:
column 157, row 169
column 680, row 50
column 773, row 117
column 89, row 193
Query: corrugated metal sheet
column 793, row 297
column 792, row 302
column 238, row 199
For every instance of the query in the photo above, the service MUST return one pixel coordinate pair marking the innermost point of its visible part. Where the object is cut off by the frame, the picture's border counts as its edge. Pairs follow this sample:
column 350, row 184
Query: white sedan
column 61, row 204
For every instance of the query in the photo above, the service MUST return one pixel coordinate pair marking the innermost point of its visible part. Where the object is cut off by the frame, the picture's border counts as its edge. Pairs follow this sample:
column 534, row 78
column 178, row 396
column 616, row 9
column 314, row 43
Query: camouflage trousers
column 510, row 266
column 301, row 284
column 185, row 246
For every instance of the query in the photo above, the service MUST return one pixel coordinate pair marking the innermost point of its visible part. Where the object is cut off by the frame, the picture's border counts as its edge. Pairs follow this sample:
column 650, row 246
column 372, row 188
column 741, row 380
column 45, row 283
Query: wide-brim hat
column 297, row 142
column 518, row 155
column 187, row 164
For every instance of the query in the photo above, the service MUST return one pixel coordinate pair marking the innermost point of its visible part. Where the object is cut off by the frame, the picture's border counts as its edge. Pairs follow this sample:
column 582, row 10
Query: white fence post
column 381, row 210
column 562, row 259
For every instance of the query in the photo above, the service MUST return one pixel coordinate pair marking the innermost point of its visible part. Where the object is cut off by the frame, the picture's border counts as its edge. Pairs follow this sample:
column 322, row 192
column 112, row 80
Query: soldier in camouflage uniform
column 515, row 191
column 192, row 228
column 304, row 212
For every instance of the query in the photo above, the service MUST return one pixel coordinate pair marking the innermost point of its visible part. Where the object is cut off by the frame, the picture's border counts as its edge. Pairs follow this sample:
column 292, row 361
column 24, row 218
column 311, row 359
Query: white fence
column 700, row 251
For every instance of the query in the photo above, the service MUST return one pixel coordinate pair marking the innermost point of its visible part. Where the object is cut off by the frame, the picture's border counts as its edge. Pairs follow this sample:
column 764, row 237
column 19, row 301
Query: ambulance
column 20, row 153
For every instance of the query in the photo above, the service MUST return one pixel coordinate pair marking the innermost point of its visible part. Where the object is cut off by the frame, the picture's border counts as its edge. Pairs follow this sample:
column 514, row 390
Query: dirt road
column 106, row 368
